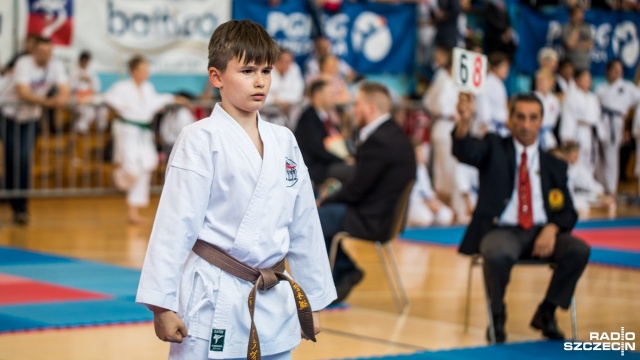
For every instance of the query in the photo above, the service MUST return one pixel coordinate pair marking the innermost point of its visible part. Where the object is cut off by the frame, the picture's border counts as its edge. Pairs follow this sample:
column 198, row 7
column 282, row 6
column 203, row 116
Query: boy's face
column 141, row 72
column 244, row 87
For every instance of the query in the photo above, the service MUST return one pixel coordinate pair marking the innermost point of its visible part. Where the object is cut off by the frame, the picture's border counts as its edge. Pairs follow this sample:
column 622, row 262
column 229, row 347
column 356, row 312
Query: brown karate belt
column 263, row 280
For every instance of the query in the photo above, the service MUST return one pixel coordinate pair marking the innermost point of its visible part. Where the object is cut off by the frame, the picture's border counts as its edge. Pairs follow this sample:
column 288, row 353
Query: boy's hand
column 169, row 327
column 316, row 325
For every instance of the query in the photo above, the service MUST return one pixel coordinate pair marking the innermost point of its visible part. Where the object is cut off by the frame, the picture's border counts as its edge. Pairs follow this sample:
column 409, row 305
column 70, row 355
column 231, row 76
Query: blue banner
column 615, row 36
column 372, row 38
column 289, row 23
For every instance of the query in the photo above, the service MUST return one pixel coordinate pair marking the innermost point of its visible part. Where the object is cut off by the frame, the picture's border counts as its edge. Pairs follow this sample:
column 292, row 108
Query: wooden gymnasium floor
column 96, row 229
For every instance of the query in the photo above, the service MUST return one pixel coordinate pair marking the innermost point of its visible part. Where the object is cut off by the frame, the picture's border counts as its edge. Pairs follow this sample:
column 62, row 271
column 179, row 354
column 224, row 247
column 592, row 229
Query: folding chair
column 476, row 260
column 384, row 248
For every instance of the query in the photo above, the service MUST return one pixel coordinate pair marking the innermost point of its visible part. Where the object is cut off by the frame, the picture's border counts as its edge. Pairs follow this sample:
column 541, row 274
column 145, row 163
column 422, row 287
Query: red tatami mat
column 627, row 239
column 17, row 291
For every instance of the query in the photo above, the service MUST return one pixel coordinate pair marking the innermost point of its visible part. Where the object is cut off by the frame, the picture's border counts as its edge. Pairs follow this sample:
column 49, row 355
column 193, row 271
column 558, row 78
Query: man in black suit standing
column 314, row 126
column 524, row 211
column 385, row 164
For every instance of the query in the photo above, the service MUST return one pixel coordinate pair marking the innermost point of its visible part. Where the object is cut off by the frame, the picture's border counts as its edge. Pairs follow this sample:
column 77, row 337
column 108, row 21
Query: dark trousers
column 332, row 222
column 502, row 247
column 19, row 141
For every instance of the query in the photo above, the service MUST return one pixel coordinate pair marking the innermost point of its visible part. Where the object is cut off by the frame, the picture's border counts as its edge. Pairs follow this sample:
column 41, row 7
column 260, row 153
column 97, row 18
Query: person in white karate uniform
column 635, row 132
column 135, row 102
column 617, row 96
column 580, row 119
column 440, row 101
column 550, row 106
column 85, row 87
column 425, row 209
column 565, row 78
column 239, row 183
column 492, row 104
column 468, row 187
column 586, row 191
column 287, row 83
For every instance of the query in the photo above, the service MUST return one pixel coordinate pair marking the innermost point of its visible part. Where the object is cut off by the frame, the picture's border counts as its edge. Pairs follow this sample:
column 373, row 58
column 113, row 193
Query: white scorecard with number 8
column 469, row 70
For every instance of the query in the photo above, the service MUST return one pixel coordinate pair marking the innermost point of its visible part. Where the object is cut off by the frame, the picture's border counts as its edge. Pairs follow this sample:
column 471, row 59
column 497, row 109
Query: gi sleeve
column 179, row 220
column 307, row 255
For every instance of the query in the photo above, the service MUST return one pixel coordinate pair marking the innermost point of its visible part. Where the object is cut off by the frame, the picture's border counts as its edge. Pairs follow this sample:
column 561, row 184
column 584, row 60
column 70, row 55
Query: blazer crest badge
column 556, row 199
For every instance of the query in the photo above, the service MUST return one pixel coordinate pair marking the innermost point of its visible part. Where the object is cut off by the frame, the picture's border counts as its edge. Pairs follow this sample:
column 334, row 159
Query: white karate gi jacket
column 580, row 113
column 492, row 105
column 134, row 147
column 616, row 100
column 260, row 210
column 551, row 107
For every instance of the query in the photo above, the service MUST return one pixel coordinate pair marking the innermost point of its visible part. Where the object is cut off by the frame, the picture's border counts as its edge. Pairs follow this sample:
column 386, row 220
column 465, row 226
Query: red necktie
column 328, row 126
column 525, row 210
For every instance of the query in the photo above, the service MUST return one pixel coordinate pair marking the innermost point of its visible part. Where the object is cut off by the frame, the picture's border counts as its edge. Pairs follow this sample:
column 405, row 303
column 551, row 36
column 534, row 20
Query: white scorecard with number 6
column 469, row 70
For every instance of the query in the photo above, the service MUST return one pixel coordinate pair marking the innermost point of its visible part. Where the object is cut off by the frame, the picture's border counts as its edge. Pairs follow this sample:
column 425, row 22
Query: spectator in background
column 426, row 31
column 617, row 96
column 585, row 189
column 635, row 132
column 580, row 119
column 425, row 209
column 84, row 84
column 29, row 44
column 330, row 73
column 172, row 121
column 287, row 84
column 32, row 79
column 499, row 35
column 564, row 78
column 547, row 59
column 577, row 39
column 315, row 132
column 322, row 48
column 385, row 165
column 493, row 102
column 467, row 182
column 440, row 101
column 446, row 19
column 134, row 151
column 550, row 106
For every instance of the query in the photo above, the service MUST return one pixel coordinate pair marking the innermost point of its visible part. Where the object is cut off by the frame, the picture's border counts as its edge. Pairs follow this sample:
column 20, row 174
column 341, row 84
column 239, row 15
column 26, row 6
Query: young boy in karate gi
column 135, row 101
column 239, row 183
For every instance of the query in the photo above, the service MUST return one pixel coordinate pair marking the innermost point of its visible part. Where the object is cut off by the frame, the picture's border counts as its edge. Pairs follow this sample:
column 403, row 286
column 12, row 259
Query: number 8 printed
column 477, row 71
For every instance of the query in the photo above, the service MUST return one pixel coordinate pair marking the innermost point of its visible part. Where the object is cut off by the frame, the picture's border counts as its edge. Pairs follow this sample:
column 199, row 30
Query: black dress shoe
column 21, row 218
column 346, row 282
column 546, row 322
column 498, row 327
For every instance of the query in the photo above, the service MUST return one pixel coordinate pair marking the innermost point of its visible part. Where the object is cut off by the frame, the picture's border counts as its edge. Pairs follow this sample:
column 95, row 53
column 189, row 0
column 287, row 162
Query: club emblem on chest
column 292, row 172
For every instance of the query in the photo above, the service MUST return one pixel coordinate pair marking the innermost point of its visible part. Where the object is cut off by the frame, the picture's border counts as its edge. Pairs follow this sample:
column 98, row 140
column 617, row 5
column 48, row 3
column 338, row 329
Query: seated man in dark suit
column 314, row 126
column 385, row 164
column 524, row 211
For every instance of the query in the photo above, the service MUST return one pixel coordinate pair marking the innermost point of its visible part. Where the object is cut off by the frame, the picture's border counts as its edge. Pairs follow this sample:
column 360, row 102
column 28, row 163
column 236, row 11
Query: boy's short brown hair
column 135, row 61
column 243, row 39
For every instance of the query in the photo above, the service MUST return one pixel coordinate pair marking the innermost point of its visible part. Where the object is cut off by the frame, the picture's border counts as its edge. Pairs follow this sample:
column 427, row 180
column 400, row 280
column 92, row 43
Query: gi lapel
column 242, row 249
column 250, row 224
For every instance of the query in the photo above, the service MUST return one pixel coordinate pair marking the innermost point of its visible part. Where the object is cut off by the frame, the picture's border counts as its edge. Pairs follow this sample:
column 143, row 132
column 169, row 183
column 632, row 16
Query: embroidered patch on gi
column 292, row 172
column 556, row 199
column 217, row 339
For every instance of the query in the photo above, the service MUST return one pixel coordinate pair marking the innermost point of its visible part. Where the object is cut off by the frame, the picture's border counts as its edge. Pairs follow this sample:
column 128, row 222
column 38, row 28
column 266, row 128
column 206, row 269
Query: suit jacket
column 310, row 134
column 495, row 158
column 385, row 164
